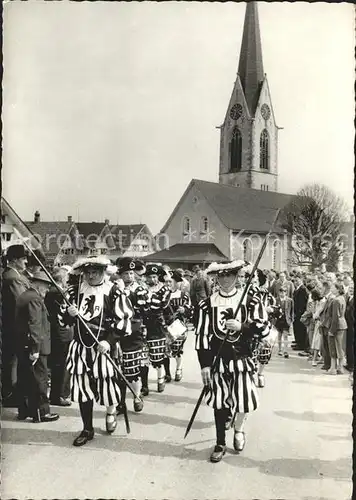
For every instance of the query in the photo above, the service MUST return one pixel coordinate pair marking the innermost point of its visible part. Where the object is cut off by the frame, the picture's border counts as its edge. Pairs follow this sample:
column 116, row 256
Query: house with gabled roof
column 133, row 240
column 215, row 221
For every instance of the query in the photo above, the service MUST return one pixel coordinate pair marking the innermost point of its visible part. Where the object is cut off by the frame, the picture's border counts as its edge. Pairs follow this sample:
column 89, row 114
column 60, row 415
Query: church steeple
column 249, row 133
column 251, row 64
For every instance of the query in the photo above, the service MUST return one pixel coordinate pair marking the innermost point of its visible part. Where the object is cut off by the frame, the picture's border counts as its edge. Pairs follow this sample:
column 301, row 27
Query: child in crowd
column 285, row 317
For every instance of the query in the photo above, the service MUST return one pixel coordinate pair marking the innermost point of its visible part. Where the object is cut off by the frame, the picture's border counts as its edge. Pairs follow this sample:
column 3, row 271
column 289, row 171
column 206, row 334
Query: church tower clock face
column 265, row 111
column 236, row 111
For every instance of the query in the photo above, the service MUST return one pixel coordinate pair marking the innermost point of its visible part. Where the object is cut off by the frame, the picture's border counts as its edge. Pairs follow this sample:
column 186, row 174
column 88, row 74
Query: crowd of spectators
column 319, row 314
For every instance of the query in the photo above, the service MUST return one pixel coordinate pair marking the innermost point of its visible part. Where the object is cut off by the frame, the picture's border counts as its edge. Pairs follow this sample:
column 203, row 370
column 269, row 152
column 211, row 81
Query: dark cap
column 129, row 264
column 16, row 252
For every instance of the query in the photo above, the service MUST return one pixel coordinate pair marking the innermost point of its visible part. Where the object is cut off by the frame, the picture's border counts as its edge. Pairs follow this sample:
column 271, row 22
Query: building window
column 235, row 150
column 247, row 250
column 186, row 225
column 264, row 150
column 274, row 255
column 204, row 225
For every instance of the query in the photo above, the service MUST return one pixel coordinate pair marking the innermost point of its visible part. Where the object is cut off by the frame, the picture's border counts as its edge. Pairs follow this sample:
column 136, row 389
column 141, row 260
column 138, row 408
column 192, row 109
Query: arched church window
column 274, row 255
column 247, row 250
column 264, row 150
column 204, row 224
column 186, row 225
column 235, row 150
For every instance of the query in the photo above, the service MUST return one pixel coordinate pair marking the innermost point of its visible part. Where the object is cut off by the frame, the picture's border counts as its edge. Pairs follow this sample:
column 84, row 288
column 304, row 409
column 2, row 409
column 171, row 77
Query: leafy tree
column 314, row 219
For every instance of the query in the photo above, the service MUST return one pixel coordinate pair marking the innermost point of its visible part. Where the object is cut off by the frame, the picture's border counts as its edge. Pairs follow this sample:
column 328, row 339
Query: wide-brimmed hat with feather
column 91, row 262
column 226, row 267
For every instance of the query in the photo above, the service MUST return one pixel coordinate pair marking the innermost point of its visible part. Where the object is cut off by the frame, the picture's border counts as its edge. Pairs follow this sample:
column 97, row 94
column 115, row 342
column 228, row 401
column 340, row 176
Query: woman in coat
column 337, row 330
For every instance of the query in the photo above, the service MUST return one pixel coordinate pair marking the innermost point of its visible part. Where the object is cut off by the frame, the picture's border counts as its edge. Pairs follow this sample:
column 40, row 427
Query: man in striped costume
column 179, row 308
column 132, row 345
column 107, row 311
column 158, row 299
column 230, row 386
column 263, row 349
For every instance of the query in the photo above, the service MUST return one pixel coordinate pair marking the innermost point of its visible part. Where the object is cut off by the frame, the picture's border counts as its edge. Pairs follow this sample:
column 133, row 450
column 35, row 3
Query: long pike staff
column 81, row 320
column 247, row 285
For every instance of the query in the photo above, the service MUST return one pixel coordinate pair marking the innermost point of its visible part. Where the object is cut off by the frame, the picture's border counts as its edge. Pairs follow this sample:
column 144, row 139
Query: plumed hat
column 87, row 262
column 16, row 252
column 129, row 264
column 226, row 267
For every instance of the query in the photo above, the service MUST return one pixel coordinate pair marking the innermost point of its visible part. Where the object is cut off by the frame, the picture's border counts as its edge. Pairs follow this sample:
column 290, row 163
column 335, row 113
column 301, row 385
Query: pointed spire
column 251, row 65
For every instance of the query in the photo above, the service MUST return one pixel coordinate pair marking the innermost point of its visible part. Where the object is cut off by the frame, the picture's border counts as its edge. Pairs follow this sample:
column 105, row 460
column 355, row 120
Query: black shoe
column 286, row 355
column 49, row 417
column 120, row 409
column 145, row 391
column 179, row 374
column 22, row 416
column 138, row 405
column 303, row 354
column 111, row 423
column 61, row 402
column 168, row 378
column 83, row 438
column 239, row 440
column 261, row 380
column 161, row 385
column 217, row 454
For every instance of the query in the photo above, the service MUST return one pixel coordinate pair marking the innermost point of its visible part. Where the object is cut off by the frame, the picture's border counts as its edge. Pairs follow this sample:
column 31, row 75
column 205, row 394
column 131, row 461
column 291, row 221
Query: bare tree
column 314, row 220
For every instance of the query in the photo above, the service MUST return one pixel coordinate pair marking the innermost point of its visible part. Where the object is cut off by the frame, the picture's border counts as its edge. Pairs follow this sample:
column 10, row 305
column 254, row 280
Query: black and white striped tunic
column 107, row 311
column 158, row 300
column 232, row 385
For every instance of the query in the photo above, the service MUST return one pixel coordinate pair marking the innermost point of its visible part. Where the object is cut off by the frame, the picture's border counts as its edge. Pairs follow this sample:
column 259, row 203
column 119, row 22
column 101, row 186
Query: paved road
column 298, row 446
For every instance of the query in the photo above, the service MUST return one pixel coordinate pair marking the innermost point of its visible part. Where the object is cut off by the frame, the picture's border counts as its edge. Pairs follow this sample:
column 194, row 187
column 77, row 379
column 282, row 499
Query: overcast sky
column 110, row 109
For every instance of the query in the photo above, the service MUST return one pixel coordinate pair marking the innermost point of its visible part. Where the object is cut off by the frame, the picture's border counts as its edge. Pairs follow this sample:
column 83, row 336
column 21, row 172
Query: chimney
column 107, row 222
column 70, row 218
column 37, row 217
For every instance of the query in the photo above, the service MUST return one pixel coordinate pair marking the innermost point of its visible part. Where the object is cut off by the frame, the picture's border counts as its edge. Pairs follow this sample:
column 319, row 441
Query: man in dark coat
column 300, row 297
column 34, row 346
column 61, row 337
column 200, row 289
column 14, row 283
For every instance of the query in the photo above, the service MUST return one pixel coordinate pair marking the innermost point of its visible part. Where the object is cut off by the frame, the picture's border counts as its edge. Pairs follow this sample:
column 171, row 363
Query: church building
column 229, row 219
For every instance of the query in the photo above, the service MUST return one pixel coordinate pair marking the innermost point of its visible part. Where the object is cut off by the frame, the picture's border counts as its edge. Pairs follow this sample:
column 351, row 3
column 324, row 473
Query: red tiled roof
column 189, row 253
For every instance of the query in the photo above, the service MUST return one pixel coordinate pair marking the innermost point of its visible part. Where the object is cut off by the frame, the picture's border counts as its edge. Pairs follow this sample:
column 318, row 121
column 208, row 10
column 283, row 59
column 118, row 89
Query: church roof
column 239, row 208
column 251, row 64
column 190, row 253
column 243, row 208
